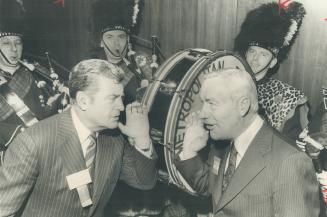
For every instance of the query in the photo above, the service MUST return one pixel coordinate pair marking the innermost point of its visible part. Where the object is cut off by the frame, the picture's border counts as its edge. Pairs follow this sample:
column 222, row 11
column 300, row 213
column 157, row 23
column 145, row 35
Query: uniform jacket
column 24, row 84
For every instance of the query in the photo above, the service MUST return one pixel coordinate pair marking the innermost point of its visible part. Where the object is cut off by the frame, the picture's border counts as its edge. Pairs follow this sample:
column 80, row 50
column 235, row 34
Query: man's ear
column 82, row 100
column 101, row 43
column 273, row 63
column 244, row 105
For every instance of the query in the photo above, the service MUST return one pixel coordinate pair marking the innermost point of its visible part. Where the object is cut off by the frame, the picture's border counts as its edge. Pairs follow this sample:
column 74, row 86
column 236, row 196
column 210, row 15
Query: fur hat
column 115, row 15
column 12, row 20
column 272, row 28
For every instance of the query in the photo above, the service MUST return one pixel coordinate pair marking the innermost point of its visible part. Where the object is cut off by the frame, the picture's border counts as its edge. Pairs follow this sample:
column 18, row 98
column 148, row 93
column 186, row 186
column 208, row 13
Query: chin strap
column 264, row 68
column 6, row 59
column 120, row 55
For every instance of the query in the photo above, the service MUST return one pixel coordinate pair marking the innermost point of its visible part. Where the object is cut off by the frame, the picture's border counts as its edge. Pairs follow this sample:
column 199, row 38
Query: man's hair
column 239, row 83
column 83, row 75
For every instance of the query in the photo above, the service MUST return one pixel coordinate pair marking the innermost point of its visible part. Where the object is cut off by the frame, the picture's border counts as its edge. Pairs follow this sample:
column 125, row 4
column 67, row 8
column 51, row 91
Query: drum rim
column 151, row 91
column 153, row 88
column 165, row 69
column 171, row 125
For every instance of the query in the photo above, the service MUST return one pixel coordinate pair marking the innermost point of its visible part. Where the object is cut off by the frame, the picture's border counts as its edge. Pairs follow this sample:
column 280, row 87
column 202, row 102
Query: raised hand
column 137, row 125
column 195, row 138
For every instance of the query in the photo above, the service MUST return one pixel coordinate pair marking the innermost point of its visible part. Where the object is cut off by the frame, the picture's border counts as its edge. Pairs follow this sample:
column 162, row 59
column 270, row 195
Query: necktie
column 90, row 143
column 231, row 167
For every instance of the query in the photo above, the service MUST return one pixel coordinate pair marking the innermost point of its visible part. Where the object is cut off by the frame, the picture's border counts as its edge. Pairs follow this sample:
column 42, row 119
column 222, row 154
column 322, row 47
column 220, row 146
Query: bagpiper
column 27, row 91
column 265, row 39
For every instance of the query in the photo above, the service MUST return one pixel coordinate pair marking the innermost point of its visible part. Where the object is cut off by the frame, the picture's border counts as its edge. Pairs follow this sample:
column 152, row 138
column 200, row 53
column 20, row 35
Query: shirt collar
column 243, row 141
column 82, row 131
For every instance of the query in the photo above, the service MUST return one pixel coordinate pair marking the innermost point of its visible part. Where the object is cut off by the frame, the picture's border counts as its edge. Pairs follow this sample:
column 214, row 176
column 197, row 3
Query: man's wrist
column 185, row 155
column 143, row 143
column 146, row 151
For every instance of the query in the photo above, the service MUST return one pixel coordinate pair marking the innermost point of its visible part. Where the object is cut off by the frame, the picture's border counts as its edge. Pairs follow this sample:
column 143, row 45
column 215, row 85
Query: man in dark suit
column 260, row 174
column 69, row 164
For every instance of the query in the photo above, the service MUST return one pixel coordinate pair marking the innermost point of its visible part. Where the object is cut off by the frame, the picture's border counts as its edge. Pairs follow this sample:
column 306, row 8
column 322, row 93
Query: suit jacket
column 33, row 176
column 272, row 179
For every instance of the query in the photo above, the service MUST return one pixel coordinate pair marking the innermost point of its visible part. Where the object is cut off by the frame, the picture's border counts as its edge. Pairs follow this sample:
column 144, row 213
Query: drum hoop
column 241, row 59
column 165, row 69
column 173, row 112
column 153, row 88
column 176, row 103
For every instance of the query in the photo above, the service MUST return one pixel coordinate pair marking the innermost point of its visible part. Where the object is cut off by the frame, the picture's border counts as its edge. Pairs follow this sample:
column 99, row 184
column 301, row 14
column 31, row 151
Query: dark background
column 60, row 30
column 180, row 24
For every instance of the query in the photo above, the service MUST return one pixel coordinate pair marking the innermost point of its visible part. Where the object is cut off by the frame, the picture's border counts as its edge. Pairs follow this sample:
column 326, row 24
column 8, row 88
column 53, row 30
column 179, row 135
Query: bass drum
column 174, row 95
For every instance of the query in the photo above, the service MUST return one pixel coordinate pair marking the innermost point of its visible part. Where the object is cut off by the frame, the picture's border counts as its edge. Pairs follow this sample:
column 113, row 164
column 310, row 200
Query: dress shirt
column 243, row 141
column 82, row 131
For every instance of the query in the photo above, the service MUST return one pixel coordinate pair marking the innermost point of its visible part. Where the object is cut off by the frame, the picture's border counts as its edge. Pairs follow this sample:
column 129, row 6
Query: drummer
column 33, row 97
column 265, row 42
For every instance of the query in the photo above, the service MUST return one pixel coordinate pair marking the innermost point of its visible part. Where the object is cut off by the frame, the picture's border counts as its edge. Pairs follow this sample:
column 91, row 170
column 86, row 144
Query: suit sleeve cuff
column 148, row 153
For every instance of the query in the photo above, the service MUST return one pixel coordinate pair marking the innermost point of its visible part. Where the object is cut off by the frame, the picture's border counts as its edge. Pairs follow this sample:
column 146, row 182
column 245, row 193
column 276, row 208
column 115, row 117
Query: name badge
column 215, row 167
column 79, row 182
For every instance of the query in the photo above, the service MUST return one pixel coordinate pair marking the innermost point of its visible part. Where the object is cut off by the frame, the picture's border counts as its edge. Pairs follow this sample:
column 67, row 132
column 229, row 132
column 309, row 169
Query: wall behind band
column 180, row 24
column 213, row 24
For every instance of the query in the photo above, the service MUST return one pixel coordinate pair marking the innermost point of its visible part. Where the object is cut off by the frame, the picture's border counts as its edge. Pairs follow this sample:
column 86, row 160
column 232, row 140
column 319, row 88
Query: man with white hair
column 258, row 174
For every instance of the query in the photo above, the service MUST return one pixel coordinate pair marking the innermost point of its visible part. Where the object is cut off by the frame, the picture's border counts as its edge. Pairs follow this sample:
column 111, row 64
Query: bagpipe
column 57, row 86
column 53, row 96
column 137, row 64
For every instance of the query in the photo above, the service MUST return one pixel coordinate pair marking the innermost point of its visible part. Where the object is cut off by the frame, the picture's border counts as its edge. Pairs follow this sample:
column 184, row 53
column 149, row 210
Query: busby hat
column 115, row 15
column 12, row 20
column 271, row 27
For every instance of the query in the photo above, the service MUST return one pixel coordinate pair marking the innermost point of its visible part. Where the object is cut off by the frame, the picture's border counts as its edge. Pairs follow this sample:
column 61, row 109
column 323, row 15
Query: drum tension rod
column 169, row 87
column 180, row 92
column 171, row 148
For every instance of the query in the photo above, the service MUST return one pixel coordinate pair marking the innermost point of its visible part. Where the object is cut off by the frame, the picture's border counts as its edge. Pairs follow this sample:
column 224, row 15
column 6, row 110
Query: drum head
column 187, row 100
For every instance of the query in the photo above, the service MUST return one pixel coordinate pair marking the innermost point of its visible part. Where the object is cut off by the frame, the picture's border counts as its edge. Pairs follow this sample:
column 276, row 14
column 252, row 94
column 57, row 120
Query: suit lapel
column 252, row 163
column 105, row 158
column 71, row 149
column 73, row 160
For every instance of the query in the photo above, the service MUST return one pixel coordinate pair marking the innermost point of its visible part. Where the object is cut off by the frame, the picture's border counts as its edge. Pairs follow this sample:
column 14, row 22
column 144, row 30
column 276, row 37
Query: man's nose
column 116, row 43
column 255, row 56
column 13, row 47
column 203, row 113
column 121, row 105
